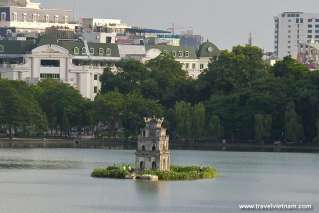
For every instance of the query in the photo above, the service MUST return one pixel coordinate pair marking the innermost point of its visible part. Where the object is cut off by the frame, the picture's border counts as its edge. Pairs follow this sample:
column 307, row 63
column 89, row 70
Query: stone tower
column 152, row 147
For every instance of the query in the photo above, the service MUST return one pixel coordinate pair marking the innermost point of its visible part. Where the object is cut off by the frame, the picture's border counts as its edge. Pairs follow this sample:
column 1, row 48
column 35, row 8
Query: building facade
column 192, row 61
column 292, row 28
column 153, row 147
column 77, row 63
column 21, row 16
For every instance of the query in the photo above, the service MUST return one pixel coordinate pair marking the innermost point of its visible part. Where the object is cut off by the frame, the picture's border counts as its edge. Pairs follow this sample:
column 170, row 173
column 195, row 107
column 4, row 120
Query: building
column 153, row 147
column 194, row 62
column 189, row 40
column 292, row 28
column 309, row 55
column 103, row 25
column 75, row 62
column 24, row 16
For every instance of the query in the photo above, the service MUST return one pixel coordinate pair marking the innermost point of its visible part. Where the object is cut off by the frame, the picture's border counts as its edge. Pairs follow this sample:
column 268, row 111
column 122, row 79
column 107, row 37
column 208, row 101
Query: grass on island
column 176, row 172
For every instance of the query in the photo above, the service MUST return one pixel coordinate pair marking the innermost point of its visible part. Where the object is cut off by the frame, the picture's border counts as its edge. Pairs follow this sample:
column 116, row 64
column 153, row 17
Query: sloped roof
column 208, row 49
column 16, row 47
column 177, row 52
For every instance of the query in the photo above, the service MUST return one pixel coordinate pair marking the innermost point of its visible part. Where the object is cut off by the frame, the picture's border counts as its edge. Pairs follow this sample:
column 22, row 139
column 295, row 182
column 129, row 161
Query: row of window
column 187, row 66
column 102, row 51
column 49, row 76
column 35, row 17
column 315, row 36
column 310, row 25
column 179, row 54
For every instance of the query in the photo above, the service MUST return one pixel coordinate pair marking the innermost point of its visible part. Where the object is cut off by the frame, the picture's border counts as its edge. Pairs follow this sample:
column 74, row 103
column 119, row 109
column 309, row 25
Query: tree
column 293, row 129
column 199, row 118
column 136, row 108
column 62, row 105
column 19, row 111
column 183, row 116
column 215, row 128
column 263, row 127
column 316, row 139
column 109, row 108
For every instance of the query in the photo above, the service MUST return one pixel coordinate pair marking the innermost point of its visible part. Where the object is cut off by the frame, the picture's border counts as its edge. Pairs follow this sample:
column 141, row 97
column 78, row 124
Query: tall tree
column 293, row 128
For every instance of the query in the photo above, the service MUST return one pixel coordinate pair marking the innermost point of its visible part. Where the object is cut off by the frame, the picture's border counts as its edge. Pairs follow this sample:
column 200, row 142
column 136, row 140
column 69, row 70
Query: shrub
column 119, row 172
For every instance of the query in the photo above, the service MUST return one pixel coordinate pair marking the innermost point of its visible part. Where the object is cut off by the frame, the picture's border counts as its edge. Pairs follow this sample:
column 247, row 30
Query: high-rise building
column 26, row 16
column 293, row 28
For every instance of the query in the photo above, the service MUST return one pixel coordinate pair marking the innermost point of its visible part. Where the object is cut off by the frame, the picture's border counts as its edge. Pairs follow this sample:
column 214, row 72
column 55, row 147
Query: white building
column 26, row 16
column 292, row 28
column 65, row 61
column 194, row 62
column 105, row 25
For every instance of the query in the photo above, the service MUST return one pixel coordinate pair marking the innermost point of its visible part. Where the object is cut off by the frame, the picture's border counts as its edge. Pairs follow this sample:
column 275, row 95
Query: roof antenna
column 250, row 39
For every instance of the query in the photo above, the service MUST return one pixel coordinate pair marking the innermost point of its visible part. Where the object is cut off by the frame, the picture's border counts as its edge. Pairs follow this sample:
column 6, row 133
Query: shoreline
column 131, row 145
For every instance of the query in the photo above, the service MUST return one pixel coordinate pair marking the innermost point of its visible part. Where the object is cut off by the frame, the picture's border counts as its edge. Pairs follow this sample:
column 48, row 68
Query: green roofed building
column 73, row 61
column 193, row 61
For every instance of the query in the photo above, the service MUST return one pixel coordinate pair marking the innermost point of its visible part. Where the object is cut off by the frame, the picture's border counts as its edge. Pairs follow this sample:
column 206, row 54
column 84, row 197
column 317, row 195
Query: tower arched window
column 154, row 147
column 143, row 148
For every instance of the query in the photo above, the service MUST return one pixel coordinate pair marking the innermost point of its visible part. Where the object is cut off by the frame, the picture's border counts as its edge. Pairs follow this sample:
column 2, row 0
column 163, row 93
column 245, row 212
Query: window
column 289, row 42
column 289, row 47
column 66, row 19
column 76, row 51
column 193, row 66
column 187, row 65
column 317, row 20
column 24, row 17
column 309, row 36
column 1, row 48
column 174, row 53
column 317, row 36
column 289, row 26
column 50, row 63
column 310, row 20
column 317, row 26
column 34, row 17
column 14, row 16
column 49, row 76
column 101, row 51
column 317, row 31
column 92, row 51
column 201, row 66
column 289, row 20
column 309, row 31
column 47, row 18
column 95, row 77
column 56, row 19
column 301, row 20
column 108, row 52
column 3, row 16
column 187, row 54
column 95, row 89
column 180, row 54
column 83, row 51
column 309, row 25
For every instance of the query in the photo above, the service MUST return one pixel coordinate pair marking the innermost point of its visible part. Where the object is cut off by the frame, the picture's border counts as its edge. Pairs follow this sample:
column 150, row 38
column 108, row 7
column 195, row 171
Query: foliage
column 184, row 173
column 119, row 172
column 239, row 98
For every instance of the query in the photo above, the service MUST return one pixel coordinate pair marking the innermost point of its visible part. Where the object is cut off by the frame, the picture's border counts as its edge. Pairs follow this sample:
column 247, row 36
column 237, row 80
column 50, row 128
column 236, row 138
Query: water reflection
column 38, row 164
column 151, row 188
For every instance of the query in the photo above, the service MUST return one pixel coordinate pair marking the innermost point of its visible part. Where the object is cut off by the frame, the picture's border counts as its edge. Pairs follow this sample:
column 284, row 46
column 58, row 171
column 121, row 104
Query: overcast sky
column 224, row 22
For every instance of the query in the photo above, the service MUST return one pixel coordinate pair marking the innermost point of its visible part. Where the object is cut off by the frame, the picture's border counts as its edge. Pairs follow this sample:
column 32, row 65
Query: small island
column 153, row 160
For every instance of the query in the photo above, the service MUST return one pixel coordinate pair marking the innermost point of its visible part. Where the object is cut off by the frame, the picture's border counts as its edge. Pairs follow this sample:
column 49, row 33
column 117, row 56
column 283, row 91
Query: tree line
column 239, row 99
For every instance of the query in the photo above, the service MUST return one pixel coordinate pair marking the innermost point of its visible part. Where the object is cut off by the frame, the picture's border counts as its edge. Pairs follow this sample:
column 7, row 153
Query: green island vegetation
column 175, row 173
column 239, row 98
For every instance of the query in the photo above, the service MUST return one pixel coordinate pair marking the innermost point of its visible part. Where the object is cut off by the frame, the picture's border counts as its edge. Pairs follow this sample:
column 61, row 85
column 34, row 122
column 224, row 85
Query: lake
column 58, row 181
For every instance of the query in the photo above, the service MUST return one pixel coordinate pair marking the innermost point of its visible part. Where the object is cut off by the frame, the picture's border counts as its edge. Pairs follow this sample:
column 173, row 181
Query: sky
column 223, row 22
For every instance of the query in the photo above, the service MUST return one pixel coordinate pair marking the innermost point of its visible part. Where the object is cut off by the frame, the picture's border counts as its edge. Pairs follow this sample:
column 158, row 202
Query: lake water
column 58, row 181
